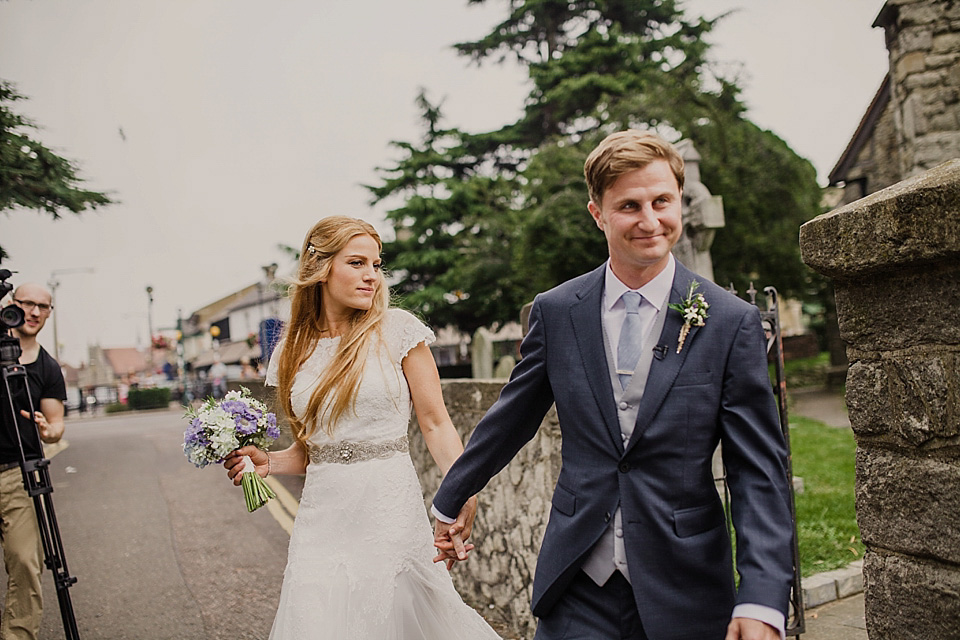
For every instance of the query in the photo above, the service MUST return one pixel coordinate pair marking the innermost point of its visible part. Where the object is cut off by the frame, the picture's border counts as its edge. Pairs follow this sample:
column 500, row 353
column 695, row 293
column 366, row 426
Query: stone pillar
column 923, row 41
column 894, row 257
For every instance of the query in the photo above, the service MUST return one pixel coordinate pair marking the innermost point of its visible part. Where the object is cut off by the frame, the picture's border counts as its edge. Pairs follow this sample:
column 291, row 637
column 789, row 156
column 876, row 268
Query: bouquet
column 217, row 428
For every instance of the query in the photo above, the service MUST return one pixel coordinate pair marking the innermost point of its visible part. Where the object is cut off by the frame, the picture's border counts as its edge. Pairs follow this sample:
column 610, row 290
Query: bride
column 360, row 557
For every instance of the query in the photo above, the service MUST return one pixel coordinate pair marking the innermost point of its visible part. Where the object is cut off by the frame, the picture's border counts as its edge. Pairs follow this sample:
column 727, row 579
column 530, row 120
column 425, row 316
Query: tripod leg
column 35, row 477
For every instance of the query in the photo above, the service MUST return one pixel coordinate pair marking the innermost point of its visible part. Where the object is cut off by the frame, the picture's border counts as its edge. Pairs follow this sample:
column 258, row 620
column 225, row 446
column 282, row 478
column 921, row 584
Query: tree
column 453, row 229
column 501, row 215
column 31, row 175
column 768, row 192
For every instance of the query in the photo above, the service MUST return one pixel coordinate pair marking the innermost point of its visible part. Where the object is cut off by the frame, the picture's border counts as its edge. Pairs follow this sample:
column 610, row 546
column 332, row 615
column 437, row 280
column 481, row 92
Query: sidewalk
column 826, row 406
column 835, row 606
column 837, row 620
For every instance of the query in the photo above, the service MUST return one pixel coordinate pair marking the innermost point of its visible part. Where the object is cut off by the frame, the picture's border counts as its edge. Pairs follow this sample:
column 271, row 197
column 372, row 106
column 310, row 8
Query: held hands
column 233, row 463
column 450, row 540
column 749, row 629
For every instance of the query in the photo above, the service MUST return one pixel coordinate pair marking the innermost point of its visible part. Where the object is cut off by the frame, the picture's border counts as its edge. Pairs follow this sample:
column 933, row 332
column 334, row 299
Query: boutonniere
column 693, row 310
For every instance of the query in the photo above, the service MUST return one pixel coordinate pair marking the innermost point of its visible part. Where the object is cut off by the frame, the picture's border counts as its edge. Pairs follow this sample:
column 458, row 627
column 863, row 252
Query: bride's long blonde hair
column 337, row 386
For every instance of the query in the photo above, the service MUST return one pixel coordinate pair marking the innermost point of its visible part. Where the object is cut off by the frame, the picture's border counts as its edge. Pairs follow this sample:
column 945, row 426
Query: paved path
column 161, row 550
column 838, row 620
column 826, row 406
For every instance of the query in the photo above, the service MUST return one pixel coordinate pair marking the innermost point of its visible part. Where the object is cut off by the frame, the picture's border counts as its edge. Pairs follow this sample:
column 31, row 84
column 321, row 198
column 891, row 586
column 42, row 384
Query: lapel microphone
column 660, row 351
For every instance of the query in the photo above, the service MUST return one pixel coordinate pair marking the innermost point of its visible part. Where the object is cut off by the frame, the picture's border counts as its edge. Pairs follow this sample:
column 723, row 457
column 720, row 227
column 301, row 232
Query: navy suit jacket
column 716, row 390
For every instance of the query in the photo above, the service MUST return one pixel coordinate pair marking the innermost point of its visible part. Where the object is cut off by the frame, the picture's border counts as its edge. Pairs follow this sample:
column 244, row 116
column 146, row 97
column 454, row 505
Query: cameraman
column 19, row 532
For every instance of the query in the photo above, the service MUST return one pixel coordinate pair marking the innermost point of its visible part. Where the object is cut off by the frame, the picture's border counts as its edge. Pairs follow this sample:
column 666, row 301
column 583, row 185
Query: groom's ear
column 596, row 213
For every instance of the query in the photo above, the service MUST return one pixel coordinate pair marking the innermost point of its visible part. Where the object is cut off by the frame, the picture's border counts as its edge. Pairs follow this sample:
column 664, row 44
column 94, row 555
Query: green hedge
column 155, row 398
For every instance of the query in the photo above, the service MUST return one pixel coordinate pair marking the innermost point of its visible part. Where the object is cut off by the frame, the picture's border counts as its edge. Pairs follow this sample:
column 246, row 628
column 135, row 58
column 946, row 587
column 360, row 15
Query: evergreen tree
column 490, row 219
column 31, row 175
column 453, row 231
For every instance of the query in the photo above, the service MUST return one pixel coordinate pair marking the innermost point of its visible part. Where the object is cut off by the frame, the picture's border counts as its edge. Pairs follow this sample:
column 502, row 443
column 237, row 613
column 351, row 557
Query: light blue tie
column 631, row 340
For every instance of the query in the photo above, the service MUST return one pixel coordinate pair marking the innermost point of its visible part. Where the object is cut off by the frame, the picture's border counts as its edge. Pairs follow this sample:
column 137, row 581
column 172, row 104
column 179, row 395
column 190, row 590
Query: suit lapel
column 585, row 315
column 664, row 371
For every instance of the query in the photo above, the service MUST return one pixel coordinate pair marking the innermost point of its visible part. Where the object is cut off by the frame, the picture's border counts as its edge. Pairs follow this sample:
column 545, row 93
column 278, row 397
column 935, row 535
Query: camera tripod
column 36, row 481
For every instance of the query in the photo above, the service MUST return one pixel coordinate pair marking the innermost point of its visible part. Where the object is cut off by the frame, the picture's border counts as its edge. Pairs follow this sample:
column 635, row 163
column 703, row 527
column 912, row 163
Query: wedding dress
column 360, row 558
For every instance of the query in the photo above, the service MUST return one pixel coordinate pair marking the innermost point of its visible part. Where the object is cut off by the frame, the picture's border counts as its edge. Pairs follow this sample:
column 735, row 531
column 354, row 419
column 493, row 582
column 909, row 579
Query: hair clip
column 311, row 249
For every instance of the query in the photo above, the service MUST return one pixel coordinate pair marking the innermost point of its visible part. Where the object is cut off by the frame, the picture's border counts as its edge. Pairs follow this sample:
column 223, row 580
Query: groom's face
column 640, row 215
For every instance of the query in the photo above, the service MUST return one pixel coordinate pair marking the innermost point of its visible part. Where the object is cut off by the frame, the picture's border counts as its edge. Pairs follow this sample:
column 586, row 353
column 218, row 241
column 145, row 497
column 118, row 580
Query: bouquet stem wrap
column 256, row 492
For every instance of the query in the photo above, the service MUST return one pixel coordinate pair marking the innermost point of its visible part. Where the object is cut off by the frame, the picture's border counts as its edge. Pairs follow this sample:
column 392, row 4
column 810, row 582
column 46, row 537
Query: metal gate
column 771, row 325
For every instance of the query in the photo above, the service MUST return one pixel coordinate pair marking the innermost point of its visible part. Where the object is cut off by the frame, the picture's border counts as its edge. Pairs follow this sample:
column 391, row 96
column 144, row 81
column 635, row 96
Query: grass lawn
column 826, row 518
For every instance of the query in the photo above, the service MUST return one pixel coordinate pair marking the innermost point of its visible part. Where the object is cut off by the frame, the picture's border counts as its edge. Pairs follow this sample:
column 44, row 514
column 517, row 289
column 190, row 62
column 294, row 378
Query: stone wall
column 923, row 40
column 877, row 163
column 894, row 257
column 512, row 514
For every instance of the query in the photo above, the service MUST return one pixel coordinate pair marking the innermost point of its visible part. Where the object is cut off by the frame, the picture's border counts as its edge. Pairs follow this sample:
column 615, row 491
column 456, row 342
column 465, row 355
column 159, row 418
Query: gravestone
column 481, row 354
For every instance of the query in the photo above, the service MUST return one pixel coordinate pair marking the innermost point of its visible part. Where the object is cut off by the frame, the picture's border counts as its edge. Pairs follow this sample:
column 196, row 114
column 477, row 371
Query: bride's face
column 354, row 276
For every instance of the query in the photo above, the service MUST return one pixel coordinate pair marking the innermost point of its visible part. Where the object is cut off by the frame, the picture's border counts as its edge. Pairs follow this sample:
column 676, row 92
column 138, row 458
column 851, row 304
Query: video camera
column 11, row 317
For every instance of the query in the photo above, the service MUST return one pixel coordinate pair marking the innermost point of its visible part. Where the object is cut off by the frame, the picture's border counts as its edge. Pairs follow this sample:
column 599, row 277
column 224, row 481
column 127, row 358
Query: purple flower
column 245, row 427
column 194, row 433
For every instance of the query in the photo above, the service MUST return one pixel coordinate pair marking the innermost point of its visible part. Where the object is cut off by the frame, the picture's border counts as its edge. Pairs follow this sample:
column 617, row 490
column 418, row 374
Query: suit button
column 606, row 517
column 624, row 467
column 623, row 406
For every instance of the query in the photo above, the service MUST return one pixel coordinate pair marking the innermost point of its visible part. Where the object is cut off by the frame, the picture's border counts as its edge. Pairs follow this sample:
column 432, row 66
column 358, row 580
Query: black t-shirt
column 45, row 381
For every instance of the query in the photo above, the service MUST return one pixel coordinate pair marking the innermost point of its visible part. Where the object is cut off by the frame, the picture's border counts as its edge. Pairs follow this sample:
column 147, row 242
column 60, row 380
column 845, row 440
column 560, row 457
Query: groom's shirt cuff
column 441, row 517
column 762, row 613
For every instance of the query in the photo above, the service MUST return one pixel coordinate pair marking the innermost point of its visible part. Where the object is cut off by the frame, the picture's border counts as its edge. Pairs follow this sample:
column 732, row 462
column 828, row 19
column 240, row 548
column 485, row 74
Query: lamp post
column 150, row 327
column 53, row 283
column 185, row 396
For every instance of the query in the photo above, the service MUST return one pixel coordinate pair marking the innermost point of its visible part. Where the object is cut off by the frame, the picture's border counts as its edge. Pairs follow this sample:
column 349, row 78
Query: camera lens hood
column 12, row 316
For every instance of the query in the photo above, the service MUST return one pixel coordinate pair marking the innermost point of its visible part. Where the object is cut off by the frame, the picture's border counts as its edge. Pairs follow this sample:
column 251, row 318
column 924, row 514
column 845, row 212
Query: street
column 161, row 549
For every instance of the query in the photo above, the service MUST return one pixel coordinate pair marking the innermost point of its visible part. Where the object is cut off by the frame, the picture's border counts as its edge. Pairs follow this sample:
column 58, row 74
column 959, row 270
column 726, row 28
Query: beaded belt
column 351, row 452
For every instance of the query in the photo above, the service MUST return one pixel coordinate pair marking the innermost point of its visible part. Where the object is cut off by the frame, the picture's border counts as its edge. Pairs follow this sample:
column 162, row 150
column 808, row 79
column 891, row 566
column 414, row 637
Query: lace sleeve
column 274, row 366
column 404, row 332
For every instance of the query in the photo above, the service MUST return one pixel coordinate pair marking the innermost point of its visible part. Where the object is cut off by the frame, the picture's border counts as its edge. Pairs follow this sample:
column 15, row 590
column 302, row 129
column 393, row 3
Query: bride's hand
column 450, row 540
column 233, row 463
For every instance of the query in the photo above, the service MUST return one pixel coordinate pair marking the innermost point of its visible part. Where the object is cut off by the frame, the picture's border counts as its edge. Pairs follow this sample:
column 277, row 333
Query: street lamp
column 150, row 327
column 53, row 283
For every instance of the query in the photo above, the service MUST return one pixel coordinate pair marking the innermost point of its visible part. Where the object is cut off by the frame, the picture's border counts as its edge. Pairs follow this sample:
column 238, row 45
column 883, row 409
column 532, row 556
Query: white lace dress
column 360, row 558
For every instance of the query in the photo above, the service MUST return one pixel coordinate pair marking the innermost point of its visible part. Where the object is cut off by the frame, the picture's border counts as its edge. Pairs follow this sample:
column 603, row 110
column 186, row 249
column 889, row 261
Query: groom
column 636, row 545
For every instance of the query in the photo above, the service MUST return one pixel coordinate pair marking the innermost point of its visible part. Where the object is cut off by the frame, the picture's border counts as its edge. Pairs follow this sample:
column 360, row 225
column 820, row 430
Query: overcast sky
column 244, row 122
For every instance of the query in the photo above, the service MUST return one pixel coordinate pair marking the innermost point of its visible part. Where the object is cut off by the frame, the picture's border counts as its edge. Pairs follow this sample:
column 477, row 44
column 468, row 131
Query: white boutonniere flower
column 693, row 310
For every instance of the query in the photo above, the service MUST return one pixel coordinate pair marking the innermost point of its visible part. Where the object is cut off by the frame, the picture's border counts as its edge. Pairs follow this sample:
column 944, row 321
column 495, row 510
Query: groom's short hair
column 625, row 151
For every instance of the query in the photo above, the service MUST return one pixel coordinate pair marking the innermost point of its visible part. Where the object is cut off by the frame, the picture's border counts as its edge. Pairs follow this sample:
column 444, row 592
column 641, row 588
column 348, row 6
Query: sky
column 225, row 128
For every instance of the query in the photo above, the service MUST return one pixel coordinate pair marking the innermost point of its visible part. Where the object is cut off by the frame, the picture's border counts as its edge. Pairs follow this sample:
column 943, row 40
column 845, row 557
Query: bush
column 116, row 407
column 155, row 398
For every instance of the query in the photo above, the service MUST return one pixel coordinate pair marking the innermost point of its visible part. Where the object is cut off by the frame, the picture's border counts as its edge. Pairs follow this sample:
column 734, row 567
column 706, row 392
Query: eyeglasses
column 28, row 305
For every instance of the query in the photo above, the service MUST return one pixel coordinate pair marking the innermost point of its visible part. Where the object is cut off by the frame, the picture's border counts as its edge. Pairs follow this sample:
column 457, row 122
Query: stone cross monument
column 702, row 216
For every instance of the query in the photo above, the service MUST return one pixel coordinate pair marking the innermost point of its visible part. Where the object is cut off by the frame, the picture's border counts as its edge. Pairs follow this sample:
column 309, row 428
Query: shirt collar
column 655, row 292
